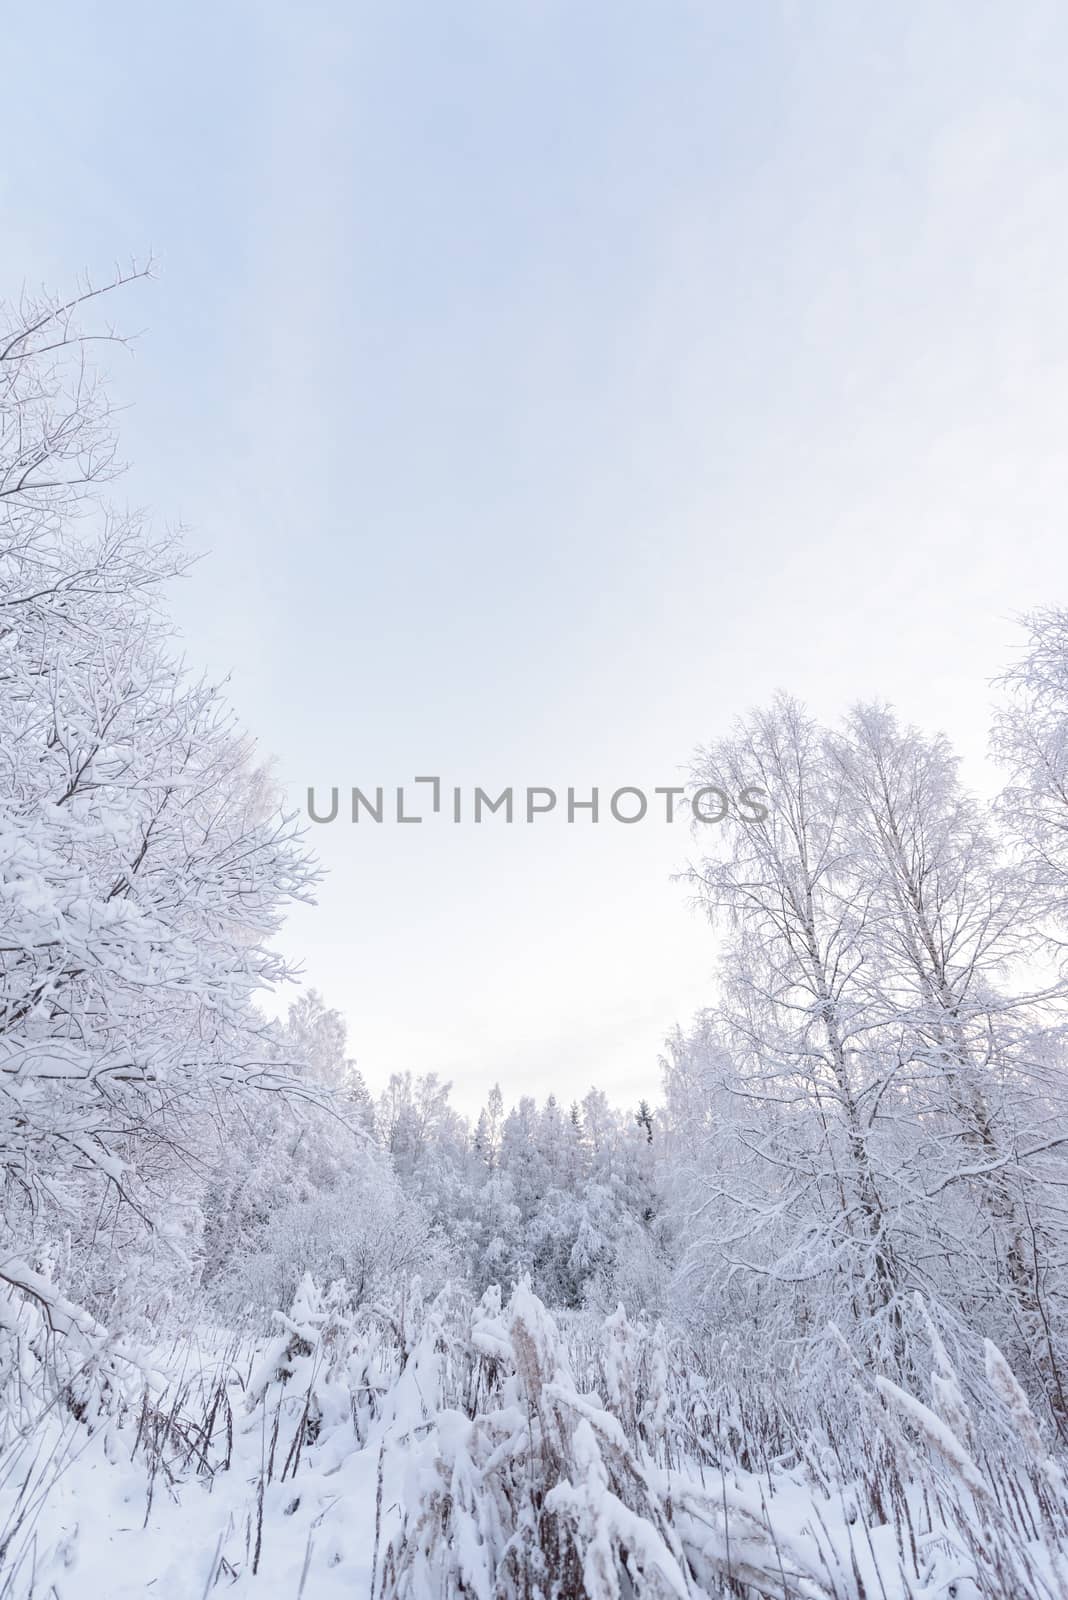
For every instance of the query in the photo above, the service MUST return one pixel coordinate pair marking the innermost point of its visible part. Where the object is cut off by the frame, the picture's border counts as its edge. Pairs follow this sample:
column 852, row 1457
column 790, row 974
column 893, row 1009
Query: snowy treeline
column 720, row 1313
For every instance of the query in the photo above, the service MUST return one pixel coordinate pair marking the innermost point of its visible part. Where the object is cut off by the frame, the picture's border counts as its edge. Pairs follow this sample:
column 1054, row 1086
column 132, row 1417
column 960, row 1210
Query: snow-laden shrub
column 1007, row 1514
column 61, row 1359
column 543, row 1490
column 528, row 1483
column 539, row 1491
column 365, row 1230
column 323, row 1373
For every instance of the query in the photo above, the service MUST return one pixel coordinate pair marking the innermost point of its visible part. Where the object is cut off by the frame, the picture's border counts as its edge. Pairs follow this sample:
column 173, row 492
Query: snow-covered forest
column 798, row 1329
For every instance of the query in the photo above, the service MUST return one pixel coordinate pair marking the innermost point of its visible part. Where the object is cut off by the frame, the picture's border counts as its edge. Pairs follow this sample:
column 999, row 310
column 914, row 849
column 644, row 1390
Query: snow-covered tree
column 1030, row 740
column 144, row 864
column 812, row 1202
column 952, row 930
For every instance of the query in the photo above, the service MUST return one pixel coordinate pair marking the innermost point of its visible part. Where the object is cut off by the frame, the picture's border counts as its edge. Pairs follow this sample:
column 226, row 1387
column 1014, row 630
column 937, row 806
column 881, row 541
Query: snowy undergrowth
column 413, row 1450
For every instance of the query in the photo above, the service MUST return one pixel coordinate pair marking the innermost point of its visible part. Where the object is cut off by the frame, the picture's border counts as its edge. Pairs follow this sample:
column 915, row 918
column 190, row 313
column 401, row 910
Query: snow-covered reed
column 447, row 1447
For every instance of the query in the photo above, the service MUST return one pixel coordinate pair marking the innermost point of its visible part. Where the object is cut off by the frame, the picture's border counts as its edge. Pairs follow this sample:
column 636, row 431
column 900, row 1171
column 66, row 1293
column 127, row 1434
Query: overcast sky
column 548, row 383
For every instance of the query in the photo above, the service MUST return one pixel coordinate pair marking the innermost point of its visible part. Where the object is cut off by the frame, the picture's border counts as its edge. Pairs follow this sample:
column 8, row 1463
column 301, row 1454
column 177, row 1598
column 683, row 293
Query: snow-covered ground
column 97, row 1535
column 455, row 1449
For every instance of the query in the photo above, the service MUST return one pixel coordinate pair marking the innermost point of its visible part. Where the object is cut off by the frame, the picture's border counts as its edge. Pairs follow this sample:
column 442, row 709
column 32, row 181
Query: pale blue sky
column 549, row 382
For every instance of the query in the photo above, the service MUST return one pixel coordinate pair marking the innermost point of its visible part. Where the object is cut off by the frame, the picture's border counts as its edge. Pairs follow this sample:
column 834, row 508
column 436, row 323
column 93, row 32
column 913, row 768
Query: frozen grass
column 411, row 1451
